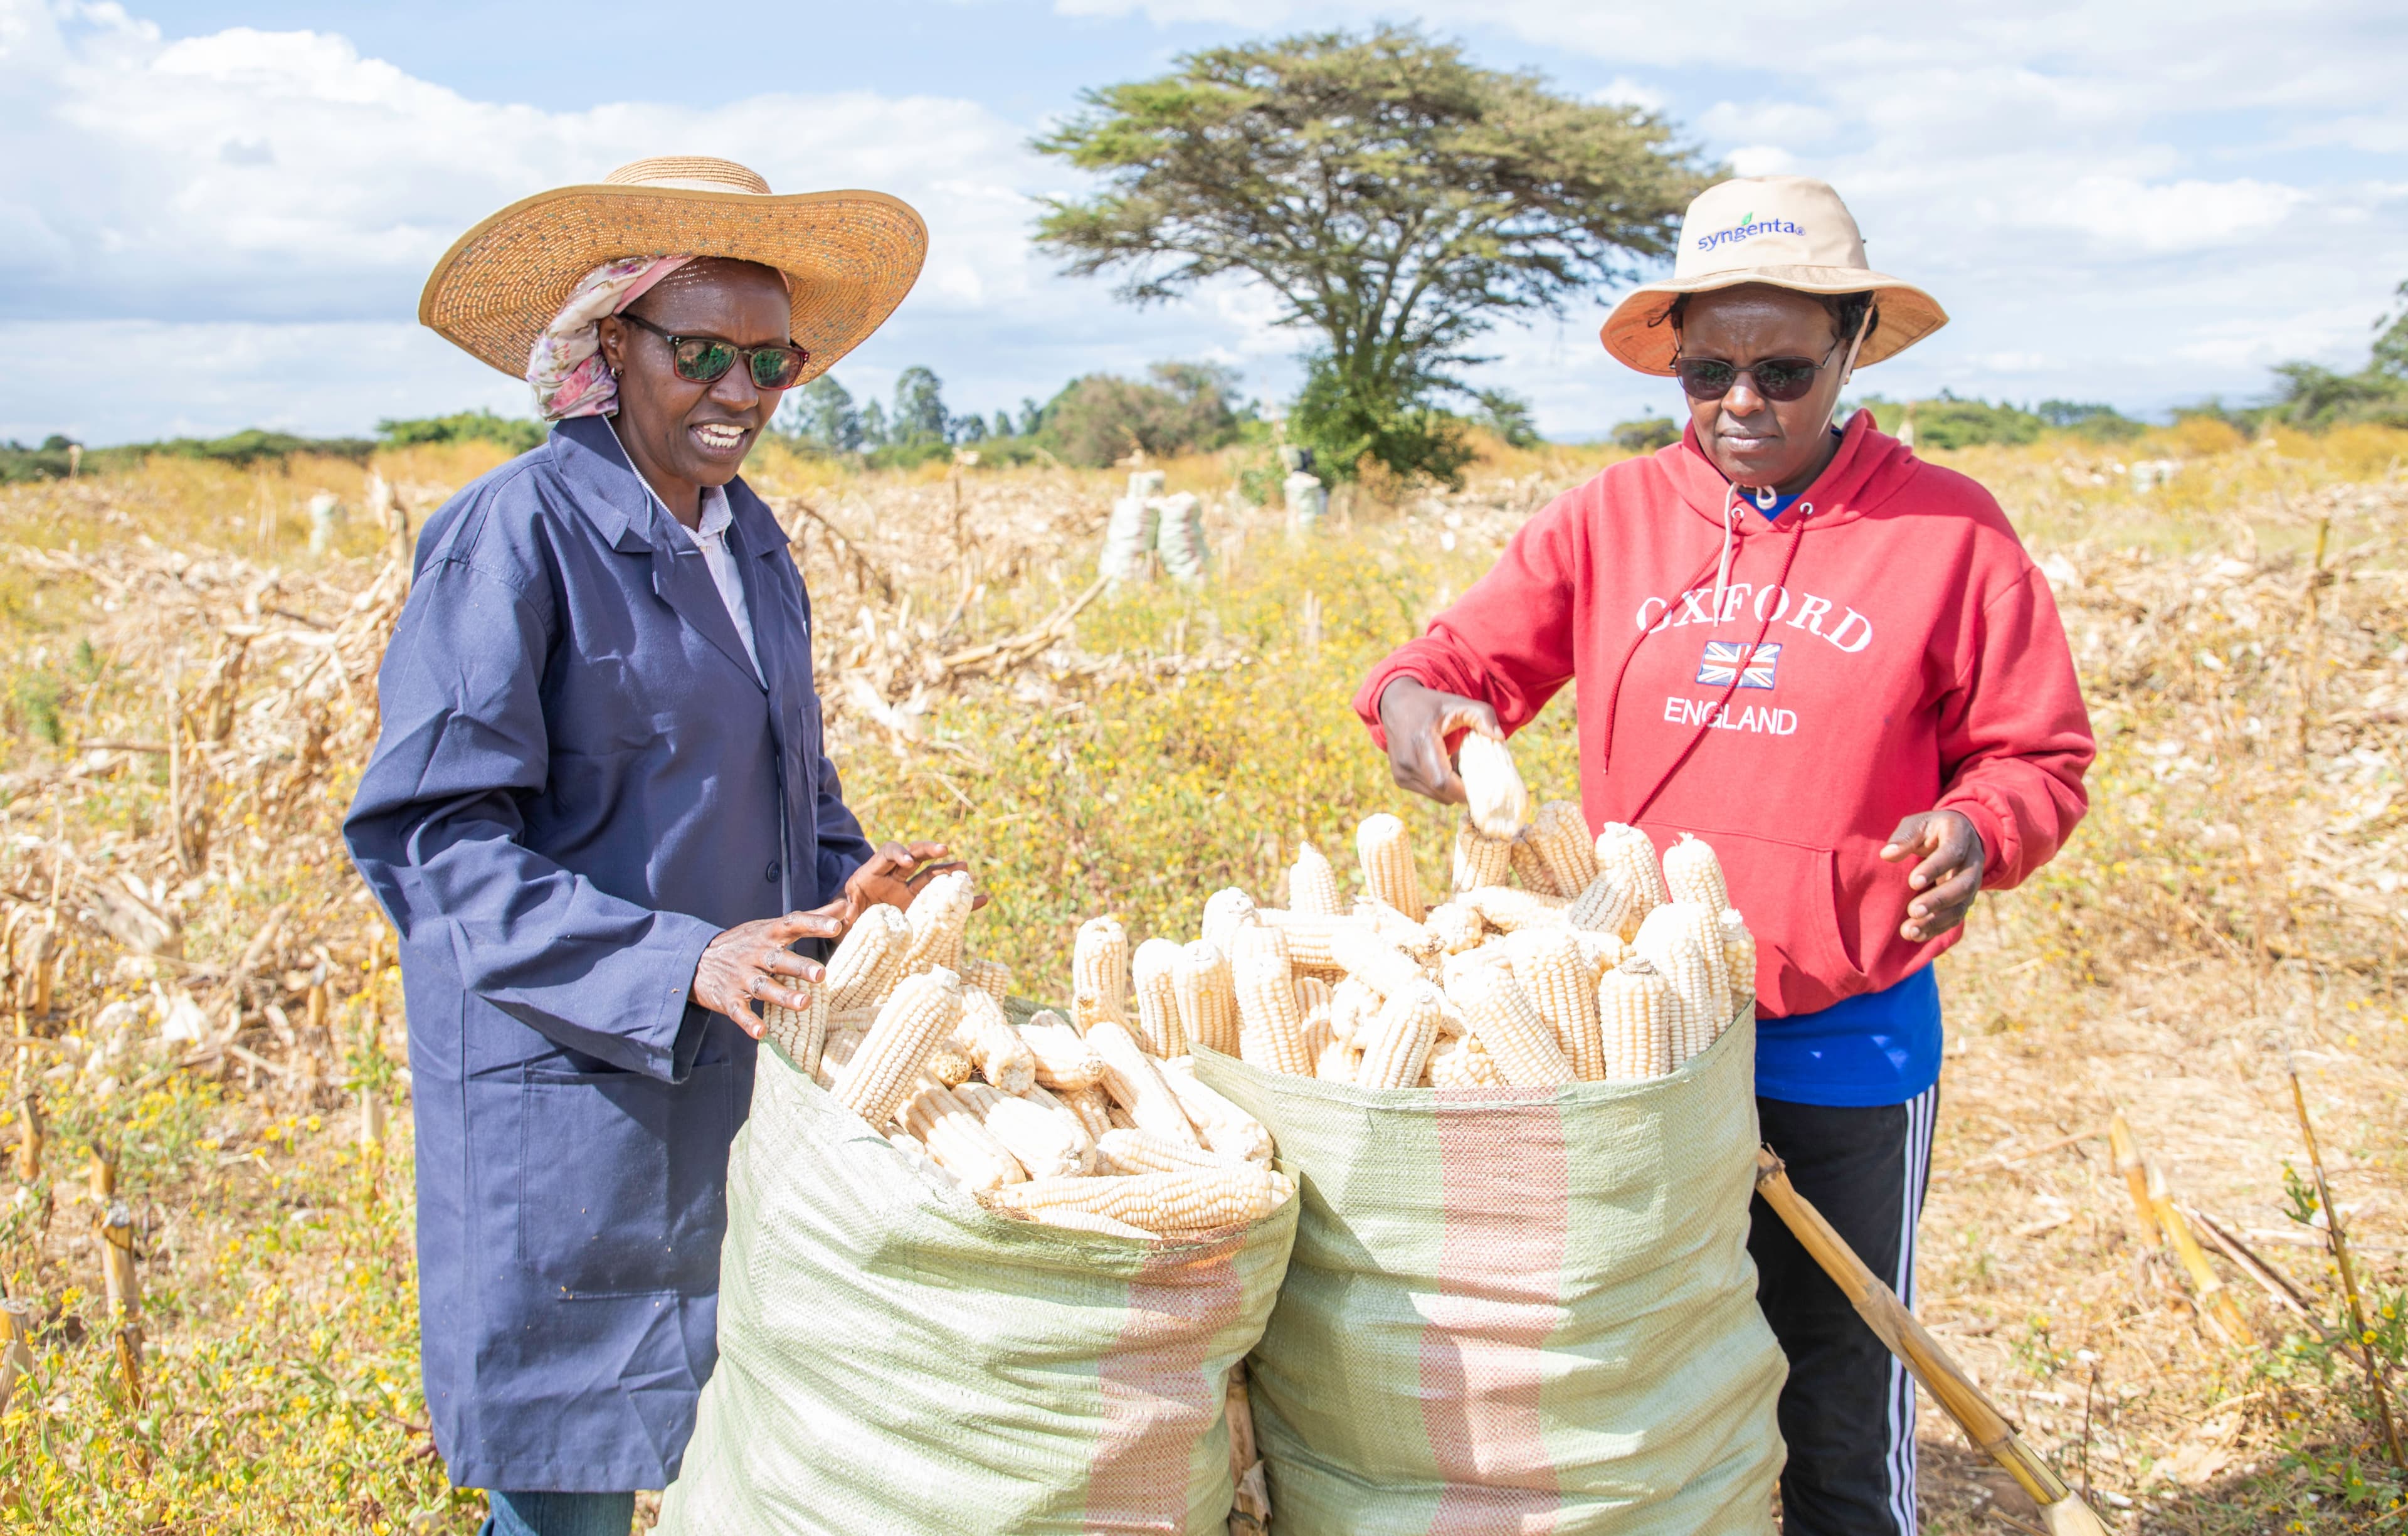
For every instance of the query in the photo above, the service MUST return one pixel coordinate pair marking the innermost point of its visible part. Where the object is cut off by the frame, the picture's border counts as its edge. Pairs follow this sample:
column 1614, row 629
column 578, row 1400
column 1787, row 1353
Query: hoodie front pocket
column 1789, row 892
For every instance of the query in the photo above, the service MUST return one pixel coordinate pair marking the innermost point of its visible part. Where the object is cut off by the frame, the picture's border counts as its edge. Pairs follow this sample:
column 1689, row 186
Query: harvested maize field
column 206, row 1224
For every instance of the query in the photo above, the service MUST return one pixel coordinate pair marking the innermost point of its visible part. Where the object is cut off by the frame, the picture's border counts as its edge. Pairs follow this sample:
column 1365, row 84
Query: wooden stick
column 2136, row 1178
column 16, row 1347
column 1906, row 1338
column 123, row 1285
column 2340, row 1259
column 2270, row 1280
column 2216, row 1303
column 101, row 1176
column 28, row 1136
column 371, row 1121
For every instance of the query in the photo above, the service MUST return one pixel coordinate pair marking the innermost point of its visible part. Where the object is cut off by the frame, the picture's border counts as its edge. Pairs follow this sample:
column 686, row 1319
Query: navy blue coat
column 581, row 781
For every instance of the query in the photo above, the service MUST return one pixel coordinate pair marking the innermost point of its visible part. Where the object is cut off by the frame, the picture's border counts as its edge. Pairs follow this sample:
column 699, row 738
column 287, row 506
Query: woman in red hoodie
column 1834, row 663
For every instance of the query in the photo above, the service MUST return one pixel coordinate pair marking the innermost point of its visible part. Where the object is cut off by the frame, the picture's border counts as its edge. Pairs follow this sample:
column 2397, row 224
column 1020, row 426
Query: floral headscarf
column 565, row 363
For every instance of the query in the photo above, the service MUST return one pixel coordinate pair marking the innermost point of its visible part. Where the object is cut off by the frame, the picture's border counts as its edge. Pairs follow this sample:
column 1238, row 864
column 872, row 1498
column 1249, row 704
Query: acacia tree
column 1398, row 198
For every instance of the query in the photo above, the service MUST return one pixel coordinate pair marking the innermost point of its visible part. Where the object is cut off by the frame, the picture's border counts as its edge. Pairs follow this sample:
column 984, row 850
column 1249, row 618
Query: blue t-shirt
column 1877, row 1048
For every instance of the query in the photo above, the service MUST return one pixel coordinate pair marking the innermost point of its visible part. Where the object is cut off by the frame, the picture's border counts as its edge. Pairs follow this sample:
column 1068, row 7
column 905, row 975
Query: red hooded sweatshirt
column 1887, row 648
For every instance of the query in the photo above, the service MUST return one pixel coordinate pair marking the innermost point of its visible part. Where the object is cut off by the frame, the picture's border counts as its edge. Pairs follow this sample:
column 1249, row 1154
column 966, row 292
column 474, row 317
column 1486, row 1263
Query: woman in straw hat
column 1834, row 663
column 599, row 812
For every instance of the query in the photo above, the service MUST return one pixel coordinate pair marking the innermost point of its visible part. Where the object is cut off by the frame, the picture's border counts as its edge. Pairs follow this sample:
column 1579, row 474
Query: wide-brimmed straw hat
column 850, row 256
column 1784, row 231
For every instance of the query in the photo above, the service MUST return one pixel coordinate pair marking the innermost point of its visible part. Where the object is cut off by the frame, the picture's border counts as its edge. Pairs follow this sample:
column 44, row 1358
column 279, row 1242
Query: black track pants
column 1848, row 1412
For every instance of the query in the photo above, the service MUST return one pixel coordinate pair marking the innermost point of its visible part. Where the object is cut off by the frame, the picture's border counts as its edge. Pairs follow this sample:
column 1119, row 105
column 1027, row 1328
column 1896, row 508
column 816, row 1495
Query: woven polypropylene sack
column 1518, row 1310
column 895, row 1358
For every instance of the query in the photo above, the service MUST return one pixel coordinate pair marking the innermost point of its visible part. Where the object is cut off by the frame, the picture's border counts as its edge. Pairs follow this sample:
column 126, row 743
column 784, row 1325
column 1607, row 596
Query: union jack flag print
column 1724, row 657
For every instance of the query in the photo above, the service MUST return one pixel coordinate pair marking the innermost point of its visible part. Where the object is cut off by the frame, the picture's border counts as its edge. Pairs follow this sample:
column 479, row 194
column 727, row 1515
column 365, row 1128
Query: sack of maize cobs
column 986, row 1268
column 1523, row 1121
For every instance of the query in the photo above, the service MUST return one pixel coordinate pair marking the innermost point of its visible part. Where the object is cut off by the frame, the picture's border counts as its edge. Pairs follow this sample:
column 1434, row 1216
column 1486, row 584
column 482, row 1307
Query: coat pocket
column 623, row 1179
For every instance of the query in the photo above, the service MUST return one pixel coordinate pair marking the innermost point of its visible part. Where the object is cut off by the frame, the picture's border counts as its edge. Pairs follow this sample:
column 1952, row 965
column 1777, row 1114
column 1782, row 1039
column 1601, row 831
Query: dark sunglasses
column 1781, row 379
column 706, row 359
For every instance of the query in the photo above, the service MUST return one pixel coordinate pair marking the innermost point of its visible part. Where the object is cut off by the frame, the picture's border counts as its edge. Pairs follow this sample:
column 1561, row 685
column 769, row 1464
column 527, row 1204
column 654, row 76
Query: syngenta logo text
column 1748, row 227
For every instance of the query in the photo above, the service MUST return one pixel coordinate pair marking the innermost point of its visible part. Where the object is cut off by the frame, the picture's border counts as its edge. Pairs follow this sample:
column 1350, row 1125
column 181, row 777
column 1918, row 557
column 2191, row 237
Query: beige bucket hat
column 850, row 256
column 1786, row 231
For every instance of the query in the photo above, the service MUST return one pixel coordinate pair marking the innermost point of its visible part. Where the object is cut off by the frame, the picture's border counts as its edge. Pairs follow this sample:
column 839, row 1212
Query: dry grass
column 2236, row 892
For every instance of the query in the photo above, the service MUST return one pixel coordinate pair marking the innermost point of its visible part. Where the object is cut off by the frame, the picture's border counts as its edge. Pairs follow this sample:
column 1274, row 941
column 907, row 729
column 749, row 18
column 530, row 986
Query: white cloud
column 261, row 208
column 2145, row 202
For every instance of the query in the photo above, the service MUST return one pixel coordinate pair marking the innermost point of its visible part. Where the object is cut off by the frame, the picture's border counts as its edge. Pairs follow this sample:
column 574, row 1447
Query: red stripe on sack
column 1505, row 1181
column 1156, row 1400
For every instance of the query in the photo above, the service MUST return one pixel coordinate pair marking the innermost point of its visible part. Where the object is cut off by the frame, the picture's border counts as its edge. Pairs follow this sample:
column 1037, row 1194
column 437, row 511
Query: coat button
column 770, row 874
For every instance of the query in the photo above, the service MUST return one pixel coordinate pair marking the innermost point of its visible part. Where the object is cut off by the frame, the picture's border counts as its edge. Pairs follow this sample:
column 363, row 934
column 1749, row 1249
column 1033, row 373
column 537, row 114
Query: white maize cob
column 1087, row 1221
column 916, row 1018
column 1684, row 941
column 1601, row 951
column 1143, row 1152
column 1000, row 1053
column 1414, row 938
column 1336, row 1062
column 1312, row 885
column 1548, row 964
column 1220, row 1124
column 948, row 1066
column 1155, row 970
column 1049, row 1143
column 1561, row 836
column 835, row 1055
column 1313, row 996
column 1627, row 851
column 954, row 1136
column 1531, row 866
column 1400, row 1038
column 1495, row 800
column 1739, row 958
column 1519, row 1038
column 992, row 977
column 939, row 917
column 1463, row 1063
column 1376, row 963
column 1351, row 1006
column 1507, row 910
column 867, row 963
column 1099, row 973
column 1692, row 873
column 1225, row 911
column 1637, row 1006
column 1119, row 1118
column 1193, row 1201
column 1208, row 998
column 800, row 1032
column 1134, row 1080
column 1480, row 859
column 1073, row 1129
column 1310, row 938
column 1060, row 1056
column 1092, row 1105
column 1270, row 1026
column 1607, row 903
column 1386, row 854
column 1456, row 926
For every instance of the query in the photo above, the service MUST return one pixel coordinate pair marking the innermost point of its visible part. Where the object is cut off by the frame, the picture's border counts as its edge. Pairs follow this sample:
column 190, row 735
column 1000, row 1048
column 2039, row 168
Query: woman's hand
column 750, row 962
column 1949, row 876
column 1418, row 719
column 892, row 877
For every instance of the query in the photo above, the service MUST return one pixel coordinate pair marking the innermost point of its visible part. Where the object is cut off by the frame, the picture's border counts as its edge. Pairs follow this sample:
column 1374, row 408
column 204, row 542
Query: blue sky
column 218, row 215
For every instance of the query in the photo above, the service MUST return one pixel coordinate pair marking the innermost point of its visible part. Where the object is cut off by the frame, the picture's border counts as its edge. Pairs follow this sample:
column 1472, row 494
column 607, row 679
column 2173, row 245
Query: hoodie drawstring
column 1730, row 532
column 1802, row 511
